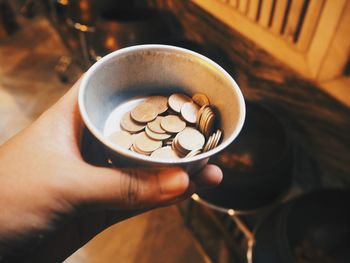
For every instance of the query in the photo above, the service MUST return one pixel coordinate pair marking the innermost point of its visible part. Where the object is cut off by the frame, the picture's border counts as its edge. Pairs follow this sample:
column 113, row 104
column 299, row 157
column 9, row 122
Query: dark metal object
column 8, row 23
column 121, row 27
column 312, row 228
column 257, row 166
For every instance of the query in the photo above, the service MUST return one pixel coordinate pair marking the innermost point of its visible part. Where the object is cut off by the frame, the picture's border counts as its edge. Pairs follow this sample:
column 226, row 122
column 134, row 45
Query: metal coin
column 122, row 139
column 161, row 103
column 189, row 111
column 155, row 125
column 176, row 101
column 172, row 124
column 146, row 144
column 209, row 143
column 128, row 124
column 193, row 153
column 191, row 139
column 165, row 153
column 156, row 136
column 145, row 112
column 200, row 99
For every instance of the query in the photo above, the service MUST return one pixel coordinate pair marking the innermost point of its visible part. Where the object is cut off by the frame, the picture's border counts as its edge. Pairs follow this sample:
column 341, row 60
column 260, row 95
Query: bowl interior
column 138, row 72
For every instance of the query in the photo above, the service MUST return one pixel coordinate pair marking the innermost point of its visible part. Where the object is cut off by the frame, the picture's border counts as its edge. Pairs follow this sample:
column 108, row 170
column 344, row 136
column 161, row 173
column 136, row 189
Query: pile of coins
column 171, row 127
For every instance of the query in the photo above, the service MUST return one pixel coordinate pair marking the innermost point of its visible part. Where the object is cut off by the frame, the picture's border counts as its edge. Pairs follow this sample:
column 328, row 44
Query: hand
column 52, row 201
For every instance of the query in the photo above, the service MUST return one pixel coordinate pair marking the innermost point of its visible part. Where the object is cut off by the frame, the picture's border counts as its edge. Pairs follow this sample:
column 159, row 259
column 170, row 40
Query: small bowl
column 158, row 69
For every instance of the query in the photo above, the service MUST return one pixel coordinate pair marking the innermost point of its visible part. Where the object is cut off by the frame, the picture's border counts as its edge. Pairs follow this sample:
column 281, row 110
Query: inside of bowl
column 140, row 72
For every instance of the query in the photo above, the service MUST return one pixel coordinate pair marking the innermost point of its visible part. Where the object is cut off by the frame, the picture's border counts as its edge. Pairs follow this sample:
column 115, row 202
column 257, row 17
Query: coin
column 145, row 112
column 165, row 153
column 206, row 121
column 213, row 141
column 203, row 119
column 146, row 144
column 177, row 148
column 190, row 139
column 200, row 99
column 172, row 124
column 137, row 150
column 167, row 137
column 193, row 153
column 209, row 124
column 161, row 103
column 134, row 136
column 199, row 115
column 209, row 143
column 216, row 139
column 189, row 111
column 155, row 125
column 122, row 139
column 156, row 136
column 176, row 101
column 128, row 124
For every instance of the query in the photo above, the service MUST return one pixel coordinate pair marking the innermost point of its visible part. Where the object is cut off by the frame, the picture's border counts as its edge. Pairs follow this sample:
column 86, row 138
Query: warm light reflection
column 111, row 43
column 195, row 197
column 63, row 2
column 83, row 28
column 250, row 251
column 231, row 212
column 84, row 5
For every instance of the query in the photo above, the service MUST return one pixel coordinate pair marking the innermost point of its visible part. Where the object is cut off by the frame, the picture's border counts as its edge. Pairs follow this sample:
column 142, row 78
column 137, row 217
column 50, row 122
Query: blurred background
column 285, row 195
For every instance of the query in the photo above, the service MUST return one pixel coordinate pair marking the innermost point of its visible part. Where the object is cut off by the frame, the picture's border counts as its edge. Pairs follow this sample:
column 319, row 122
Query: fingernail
column 173, row 181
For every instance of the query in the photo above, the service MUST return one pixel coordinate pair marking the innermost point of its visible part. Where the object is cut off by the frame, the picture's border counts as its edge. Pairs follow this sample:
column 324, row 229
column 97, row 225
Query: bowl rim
column 148, row 159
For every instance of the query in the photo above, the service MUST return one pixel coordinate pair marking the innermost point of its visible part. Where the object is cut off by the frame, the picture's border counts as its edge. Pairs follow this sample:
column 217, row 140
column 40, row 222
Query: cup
column 144, row 70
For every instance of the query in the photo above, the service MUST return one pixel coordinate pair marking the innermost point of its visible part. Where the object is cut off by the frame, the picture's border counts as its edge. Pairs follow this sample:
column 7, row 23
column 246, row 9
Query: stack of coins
column 171, row 127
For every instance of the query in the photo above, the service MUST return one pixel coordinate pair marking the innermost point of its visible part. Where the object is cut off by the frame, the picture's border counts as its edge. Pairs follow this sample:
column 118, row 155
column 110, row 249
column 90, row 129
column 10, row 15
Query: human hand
column 52, row 201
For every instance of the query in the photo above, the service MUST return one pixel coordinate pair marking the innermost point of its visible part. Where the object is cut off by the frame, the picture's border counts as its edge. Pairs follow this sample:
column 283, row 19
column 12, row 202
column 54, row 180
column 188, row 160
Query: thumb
column 133, row 188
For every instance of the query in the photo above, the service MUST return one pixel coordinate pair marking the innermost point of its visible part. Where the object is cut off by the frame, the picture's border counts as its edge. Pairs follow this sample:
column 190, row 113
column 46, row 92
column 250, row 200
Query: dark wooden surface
column 316, row 122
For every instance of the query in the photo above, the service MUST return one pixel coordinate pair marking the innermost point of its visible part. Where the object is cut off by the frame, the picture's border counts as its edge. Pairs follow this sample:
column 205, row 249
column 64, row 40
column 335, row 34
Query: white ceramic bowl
column 152, row 69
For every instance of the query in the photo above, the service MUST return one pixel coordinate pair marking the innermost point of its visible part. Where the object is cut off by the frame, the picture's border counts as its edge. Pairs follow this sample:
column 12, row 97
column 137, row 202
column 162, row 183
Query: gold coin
column 128, row 124
column 216, row 139
column 190, row 139
column 156, row 136
column 189, row 111
column 161, row 103
column 193, row 153
column 176, row 147
column 146, row 144
column 132, row 148
column 209, row 143
column 122, row 139
column 165, row 153
column 199, row 115
column 207, row 121
column 172, row 124
column 137, row 150
column 209, row 125
column 200, row 99
column 144, row 112
column 176, row 101
column 134, row 136
column 155, row 125
column 203, row 119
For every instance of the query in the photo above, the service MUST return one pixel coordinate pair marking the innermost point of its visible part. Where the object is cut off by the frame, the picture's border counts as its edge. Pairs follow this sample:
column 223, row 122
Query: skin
column 52, row 201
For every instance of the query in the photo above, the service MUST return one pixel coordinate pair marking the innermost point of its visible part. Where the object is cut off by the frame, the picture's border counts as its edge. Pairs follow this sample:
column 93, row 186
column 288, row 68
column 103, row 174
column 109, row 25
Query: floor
column 158, row 236
column 28, row 86
column 28, row 83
